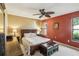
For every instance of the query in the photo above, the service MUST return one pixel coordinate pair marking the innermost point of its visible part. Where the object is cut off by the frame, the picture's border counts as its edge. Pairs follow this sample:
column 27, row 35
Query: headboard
column 28, row 31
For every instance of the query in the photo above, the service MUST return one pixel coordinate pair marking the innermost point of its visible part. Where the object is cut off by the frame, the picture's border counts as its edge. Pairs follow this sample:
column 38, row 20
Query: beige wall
column 1, row 23
column 22, row 22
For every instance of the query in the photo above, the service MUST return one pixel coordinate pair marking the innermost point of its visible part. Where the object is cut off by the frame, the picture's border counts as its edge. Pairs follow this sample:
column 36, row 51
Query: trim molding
column 75, row 48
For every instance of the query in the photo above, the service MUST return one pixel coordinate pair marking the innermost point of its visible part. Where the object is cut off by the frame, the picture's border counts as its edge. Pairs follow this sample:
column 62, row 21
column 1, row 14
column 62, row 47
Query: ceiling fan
column 43, row 13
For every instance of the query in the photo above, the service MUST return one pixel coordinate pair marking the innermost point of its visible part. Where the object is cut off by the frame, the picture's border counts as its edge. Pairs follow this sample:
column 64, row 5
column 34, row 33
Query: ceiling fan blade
column 36, row 14
column 47, row 15
column 40, row 16
column 50, row 12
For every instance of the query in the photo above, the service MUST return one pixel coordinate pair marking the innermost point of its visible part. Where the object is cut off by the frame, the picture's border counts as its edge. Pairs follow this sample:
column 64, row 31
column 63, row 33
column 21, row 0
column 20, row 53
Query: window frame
column 73, row 30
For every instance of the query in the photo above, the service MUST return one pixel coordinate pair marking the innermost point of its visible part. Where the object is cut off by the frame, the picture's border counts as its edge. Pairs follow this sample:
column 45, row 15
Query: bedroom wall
column 64, row 33
column 22, row 23
column 1, row 23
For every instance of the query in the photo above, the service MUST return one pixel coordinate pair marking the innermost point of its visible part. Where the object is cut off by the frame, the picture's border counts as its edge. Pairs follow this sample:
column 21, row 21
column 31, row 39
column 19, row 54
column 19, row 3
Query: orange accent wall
column 64, row 33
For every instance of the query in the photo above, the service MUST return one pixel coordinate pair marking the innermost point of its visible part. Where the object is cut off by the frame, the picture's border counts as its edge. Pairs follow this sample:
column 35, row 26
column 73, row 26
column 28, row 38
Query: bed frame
column 27, row 31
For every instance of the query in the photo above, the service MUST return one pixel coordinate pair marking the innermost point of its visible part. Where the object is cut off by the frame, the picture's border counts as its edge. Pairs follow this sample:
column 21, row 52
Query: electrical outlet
column 68, row 41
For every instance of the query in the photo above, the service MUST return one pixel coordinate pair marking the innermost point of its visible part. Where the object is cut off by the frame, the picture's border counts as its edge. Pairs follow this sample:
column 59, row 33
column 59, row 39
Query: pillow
column 32, row 34
column 29, row 34
column 26, row 35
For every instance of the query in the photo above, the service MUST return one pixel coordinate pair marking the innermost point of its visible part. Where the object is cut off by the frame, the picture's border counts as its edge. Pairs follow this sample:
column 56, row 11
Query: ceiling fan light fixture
column 44, row 13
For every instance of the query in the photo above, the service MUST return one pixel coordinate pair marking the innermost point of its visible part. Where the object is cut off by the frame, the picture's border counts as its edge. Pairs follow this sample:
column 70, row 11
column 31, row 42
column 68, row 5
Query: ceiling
column 28, row 9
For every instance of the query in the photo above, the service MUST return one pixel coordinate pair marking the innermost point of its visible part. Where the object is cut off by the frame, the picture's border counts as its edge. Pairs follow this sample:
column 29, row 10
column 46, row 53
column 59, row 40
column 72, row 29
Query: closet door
column 2, row 30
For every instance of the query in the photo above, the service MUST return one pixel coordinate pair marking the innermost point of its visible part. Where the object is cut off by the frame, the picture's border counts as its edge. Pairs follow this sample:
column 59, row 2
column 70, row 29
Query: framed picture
column 56, row 25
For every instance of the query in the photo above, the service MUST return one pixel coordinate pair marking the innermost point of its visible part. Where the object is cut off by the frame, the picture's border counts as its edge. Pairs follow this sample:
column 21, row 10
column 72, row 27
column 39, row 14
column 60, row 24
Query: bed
column 31, row 41
column 33, row 38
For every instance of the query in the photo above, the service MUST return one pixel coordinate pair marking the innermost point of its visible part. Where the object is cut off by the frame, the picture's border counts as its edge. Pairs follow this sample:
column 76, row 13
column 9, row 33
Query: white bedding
column 35, row 40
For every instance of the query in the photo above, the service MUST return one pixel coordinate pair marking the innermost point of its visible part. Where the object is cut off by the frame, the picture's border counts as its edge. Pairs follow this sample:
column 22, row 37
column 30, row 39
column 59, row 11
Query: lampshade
column 14, row 30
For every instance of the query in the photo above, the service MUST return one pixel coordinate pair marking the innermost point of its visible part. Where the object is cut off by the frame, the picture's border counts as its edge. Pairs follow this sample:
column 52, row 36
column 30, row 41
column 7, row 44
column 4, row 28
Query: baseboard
column 67, row 45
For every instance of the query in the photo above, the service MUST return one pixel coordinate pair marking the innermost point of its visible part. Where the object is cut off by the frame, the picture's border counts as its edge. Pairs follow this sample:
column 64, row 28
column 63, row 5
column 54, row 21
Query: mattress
column 35, row 40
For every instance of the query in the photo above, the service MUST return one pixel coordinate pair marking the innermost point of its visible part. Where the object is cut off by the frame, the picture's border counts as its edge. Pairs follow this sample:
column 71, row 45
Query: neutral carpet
column 63, row 51
column 13, row 48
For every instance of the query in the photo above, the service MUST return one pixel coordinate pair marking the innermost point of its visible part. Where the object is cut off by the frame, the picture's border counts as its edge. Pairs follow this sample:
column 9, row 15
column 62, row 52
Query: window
column 75, row 30
column 44, row 29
